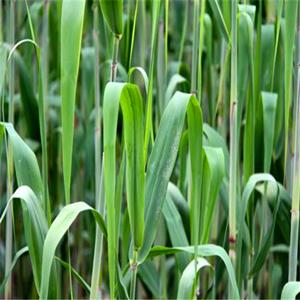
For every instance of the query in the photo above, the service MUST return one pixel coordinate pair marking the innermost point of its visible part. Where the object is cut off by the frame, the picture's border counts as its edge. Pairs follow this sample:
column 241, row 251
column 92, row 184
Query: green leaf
column 25, row 162
column 213, row 174
column 71, row 34
column 143, row 74
column 175, row 80
column 13, row 263
column 128, row 97
column 290, row 290
column 205, row 251
column 186, row 289
column 35, row 227
column 29, row 101
column 58, row 228
column 269, row 102
column 175, row 229
column 162, row 159
column 149, row 275
column 261, row 254
column 112, row 11
column 76, row 275
column 219, row 19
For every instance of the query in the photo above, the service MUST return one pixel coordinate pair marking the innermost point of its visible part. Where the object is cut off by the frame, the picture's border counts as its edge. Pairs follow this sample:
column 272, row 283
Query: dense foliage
column 149, row 149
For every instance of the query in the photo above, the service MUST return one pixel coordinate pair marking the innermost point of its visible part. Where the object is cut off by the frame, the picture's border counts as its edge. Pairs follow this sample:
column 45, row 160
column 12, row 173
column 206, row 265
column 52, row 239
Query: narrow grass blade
column 76, row 275
column 18, row 255
column 71, row 34
column 215, row 7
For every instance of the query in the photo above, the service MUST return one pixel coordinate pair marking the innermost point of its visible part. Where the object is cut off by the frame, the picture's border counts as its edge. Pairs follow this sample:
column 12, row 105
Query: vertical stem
column 195, row 47
column 43, row 86
column 149, row 126
column 133, row 32
column 9, row 191
column 1, row 24
column 201, row 34
column 293, row 254
column 233, row 135
column 133, row 267
column 99, row 199
column 182, row 40
column 45, row 44
column 166, row 34
column 114, row 63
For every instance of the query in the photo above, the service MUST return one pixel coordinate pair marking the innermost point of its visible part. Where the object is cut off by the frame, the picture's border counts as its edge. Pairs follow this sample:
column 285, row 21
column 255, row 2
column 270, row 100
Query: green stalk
column 133, row 267
column 133, row 33
column 43, row 94
column 293, row 254
column 291, row 24
column 278, row 21
column 114, row 63
column 1, row 24
column 195, row 50
column 98, row 171
column 10, row 173
column 45, row 45
column 201, row 34
column 154, row 35
column 166, row 34
column 233, row 135
column 182, row 40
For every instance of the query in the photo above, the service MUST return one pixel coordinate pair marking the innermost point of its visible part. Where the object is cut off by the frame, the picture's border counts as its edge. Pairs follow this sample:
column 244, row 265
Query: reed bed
column 149, row 149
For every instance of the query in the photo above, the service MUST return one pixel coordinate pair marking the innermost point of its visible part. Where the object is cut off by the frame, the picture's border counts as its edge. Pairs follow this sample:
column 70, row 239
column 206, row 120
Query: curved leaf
column 58, row 228
column 13, row 263
column 290, row 290
column 203, row 250
column 35, row 227
column 188, row 278
column 112, row 11
column 25, row 162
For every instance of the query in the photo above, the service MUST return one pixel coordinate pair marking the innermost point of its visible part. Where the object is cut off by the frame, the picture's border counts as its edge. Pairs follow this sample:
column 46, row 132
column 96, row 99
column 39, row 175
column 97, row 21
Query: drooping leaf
column 25, row 162
column 290, row 290
column 205, row 251
column 188, row 278
column 58, row 228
